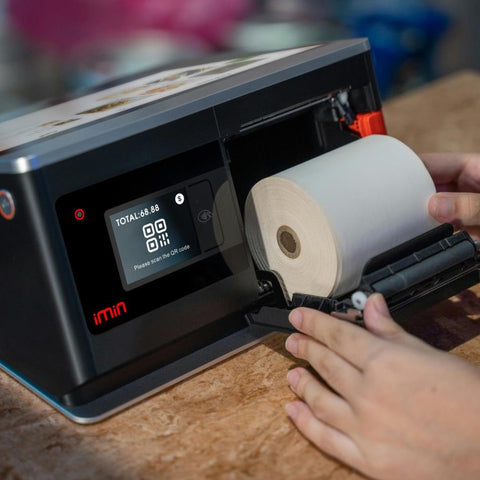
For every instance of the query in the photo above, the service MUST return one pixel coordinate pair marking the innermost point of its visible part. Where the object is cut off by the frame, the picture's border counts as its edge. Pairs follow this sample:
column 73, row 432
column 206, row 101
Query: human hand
column 392, row 407
column 457, row 177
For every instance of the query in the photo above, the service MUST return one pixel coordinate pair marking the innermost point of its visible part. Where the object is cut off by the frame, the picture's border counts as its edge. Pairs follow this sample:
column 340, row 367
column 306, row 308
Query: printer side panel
column 39, row 320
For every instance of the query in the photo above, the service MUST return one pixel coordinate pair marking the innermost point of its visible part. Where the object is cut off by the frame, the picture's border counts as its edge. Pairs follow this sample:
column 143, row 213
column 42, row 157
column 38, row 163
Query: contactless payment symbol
column 205, row 216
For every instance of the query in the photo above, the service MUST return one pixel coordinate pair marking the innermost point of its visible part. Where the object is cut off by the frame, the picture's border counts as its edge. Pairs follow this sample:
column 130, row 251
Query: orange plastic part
column 369, row 123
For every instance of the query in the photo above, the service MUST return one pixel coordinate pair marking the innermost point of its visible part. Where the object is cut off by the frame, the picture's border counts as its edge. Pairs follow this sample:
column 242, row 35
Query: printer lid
column 27, row 141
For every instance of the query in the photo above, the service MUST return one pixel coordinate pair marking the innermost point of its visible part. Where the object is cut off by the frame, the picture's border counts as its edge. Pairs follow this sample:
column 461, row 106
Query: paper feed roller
column 412, row 276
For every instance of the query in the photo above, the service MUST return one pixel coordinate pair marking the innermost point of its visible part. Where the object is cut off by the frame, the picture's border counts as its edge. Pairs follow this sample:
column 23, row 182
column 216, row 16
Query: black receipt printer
column 124, row 265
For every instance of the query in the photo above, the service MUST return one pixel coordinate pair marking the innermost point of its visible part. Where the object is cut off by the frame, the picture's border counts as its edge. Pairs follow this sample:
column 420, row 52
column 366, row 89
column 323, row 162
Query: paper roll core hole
column 288, row 241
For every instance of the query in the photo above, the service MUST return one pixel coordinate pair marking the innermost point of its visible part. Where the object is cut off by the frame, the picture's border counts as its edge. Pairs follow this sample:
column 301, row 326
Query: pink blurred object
column 74, row 27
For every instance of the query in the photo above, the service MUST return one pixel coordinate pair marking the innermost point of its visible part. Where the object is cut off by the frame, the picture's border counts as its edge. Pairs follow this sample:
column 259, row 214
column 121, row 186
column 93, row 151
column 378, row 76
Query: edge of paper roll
column 268, row 259
column 340, row 168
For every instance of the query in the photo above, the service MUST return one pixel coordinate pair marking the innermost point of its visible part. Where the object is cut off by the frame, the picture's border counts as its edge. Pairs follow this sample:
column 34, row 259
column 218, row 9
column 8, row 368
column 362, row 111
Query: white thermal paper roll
column 318, row 223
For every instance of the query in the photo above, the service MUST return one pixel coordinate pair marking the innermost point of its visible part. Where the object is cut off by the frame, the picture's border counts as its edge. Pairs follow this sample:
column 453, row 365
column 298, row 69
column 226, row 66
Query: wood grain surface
column 228, row 422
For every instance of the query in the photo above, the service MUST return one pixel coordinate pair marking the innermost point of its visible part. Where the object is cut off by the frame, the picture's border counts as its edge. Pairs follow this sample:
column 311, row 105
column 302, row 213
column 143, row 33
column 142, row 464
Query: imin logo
column 109, row 313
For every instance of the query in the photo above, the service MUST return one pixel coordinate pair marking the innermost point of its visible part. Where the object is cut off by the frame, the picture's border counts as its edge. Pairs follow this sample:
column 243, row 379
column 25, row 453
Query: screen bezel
column 161, row 272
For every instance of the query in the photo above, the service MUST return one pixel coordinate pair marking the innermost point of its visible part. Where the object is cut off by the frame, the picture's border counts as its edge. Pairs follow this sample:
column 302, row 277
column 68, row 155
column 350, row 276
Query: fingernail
column 292, row 345
column 380, row 305
column 296, row 318
column 443, row 207
column 292, row 410
column 293, row 377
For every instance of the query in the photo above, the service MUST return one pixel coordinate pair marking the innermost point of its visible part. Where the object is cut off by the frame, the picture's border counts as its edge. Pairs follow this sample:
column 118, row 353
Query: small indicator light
column 7, row 205
column 79, row 214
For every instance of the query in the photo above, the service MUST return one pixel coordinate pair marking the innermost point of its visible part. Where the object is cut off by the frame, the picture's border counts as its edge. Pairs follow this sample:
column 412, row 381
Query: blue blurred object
column 398, row 32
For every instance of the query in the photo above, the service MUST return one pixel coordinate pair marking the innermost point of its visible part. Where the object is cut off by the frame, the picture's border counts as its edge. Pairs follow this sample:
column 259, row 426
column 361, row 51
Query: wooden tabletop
column 228, row 422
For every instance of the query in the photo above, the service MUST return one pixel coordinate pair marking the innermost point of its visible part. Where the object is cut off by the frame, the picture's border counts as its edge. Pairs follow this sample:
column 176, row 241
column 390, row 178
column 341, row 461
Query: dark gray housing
column 59, row 275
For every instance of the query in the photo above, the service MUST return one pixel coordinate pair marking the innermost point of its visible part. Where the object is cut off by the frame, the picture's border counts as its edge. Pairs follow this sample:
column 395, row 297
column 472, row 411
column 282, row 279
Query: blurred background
column 49, row 48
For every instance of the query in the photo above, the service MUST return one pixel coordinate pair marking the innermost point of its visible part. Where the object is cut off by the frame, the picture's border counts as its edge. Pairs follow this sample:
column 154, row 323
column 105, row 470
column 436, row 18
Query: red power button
column 79, row 214
column 7, row 205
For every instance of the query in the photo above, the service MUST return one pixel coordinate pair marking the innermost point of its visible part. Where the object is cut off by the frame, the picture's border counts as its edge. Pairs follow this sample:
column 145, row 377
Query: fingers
column 444, row 167
column 352, row 343
column 378, row 320
column 343, row 377
column 455, row 172
column 325, row 404
column 461, row 170
column 459, row 208
column 474, row 232
column 326, row 438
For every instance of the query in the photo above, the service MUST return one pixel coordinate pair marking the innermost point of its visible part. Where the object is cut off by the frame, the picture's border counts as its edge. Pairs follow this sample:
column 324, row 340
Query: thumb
column 459, row 208
column 378, row 320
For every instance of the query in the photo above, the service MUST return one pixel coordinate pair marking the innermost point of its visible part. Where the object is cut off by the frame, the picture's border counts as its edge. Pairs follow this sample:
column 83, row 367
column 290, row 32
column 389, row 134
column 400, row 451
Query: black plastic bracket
column 412, row 276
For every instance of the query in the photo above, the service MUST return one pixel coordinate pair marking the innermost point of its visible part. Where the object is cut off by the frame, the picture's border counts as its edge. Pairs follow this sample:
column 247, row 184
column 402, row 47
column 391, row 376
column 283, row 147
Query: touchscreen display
column 152, row 236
